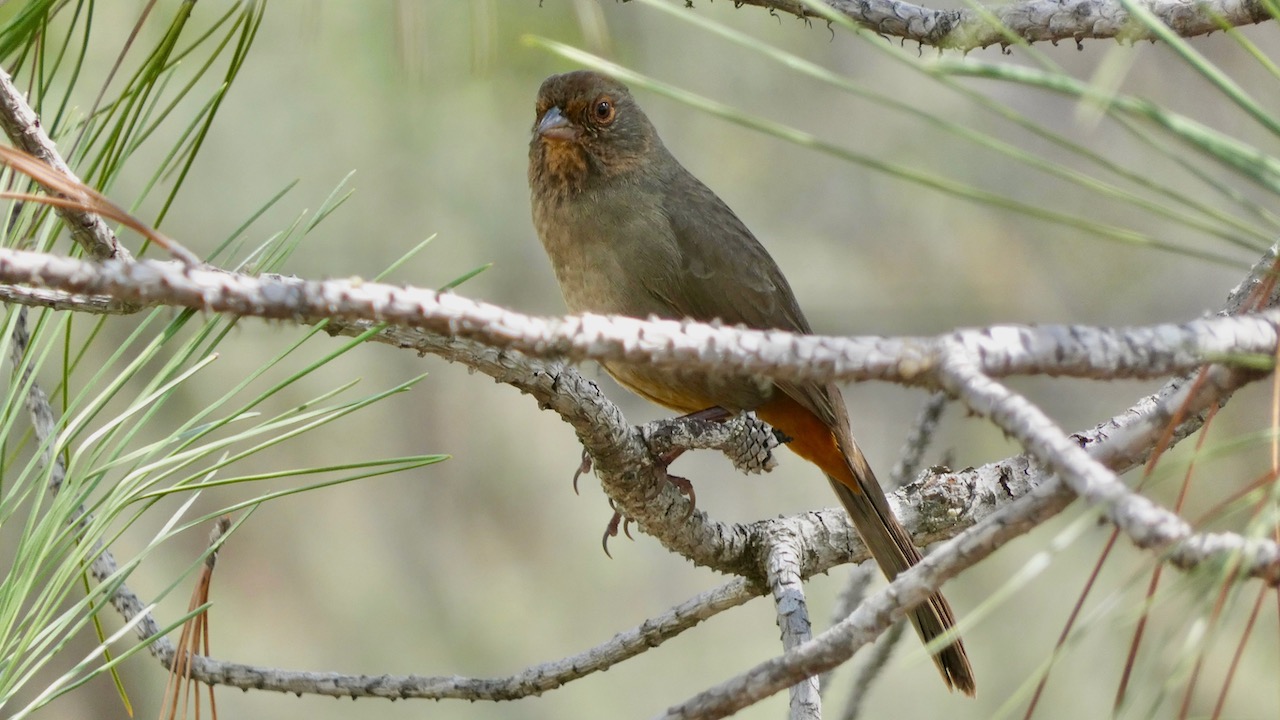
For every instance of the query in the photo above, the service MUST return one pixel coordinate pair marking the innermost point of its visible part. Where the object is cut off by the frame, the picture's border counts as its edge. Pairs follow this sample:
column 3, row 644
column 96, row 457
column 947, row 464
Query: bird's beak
column 556, row 126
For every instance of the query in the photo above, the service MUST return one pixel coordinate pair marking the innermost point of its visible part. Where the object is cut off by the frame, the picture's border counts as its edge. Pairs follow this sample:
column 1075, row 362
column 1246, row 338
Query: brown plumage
column 630, row 232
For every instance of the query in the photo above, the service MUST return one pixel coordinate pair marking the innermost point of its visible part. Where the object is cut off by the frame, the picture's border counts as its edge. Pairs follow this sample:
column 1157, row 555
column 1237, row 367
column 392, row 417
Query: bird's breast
column 615, row 253
column 608, row 254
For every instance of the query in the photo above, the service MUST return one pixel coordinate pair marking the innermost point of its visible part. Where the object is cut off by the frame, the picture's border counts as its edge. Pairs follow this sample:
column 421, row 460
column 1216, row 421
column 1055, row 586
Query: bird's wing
column 726, row 274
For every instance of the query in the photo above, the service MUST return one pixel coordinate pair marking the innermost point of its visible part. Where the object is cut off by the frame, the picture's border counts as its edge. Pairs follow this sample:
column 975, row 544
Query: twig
column 103, row 564
column 860, row 576
column 1147, row 524
column 23, row 128
column 1120, row 441
column 994, row 351
column 909, row 458
column 827, row 540
column 194, row 638
column 876, row 614
column 531, row 681
column 782, row 568
column 872, row 670
column 850, row 596
column 918, row 440
column 58, row 300
column 1006, row 479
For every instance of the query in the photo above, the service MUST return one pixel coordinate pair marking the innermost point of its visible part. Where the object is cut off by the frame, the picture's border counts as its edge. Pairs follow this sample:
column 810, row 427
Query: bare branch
column 1056, row 350
column 930, row 503
column 1124, row 441
column 1146, row 523
column 873, row 670
column 23, row 128
column 58, row 300
column 1027, row 20
column 850, row 596
column 531, row 681
column 918, row 440
column 872, row 617
column 782, row 568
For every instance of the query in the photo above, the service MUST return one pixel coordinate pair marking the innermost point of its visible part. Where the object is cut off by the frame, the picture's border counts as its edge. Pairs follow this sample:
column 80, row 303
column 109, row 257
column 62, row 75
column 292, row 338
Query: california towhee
column 630, row 232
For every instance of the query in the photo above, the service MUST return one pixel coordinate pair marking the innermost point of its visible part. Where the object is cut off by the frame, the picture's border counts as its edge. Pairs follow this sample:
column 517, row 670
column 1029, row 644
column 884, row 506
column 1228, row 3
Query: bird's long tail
column 894, row 552
column 855, row 484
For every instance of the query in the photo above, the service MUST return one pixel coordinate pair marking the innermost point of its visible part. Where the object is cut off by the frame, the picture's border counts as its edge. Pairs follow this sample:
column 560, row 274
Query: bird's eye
column 603, row 111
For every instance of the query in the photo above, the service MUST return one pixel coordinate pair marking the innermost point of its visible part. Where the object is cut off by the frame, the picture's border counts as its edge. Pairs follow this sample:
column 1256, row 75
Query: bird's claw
column 611, row 530
column 584, row 467
column 685, row 488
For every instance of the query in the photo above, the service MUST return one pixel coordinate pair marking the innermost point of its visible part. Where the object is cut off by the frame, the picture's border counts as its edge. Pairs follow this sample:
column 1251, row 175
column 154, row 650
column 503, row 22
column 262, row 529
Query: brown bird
column 631, row 232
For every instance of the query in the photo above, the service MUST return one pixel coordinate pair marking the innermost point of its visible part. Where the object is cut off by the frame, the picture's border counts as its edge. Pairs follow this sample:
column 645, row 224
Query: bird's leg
column 715, row 414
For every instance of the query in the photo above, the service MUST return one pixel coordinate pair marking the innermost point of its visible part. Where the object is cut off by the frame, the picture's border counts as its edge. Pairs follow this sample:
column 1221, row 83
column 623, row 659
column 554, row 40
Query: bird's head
column 587, row 126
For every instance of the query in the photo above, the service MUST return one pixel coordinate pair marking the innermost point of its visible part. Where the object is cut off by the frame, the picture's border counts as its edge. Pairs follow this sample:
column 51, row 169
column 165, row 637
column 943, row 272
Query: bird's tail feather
column 894, row 552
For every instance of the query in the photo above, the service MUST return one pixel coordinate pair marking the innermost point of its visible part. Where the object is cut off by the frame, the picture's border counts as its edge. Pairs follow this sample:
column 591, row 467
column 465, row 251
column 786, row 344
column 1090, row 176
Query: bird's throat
column 564, row 165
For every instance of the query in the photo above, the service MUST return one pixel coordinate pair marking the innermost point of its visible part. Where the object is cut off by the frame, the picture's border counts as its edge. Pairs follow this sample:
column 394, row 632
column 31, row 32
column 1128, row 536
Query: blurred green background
column 489, row 563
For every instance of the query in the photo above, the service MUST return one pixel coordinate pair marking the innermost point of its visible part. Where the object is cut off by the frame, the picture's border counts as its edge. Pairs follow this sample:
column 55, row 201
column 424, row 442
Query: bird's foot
column 685, row 488
column 620, row 523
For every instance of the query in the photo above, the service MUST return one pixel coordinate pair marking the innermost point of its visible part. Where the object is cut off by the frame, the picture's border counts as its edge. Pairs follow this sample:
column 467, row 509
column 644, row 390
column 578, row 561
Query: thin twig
column 918, row 440
column 1147, row 524
column 782, row 568
column 850, row 596
column 872, row 670
column 622, row 453
column 102, row 565
column 534, row 680
column 194, row 638
column 22, row 126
